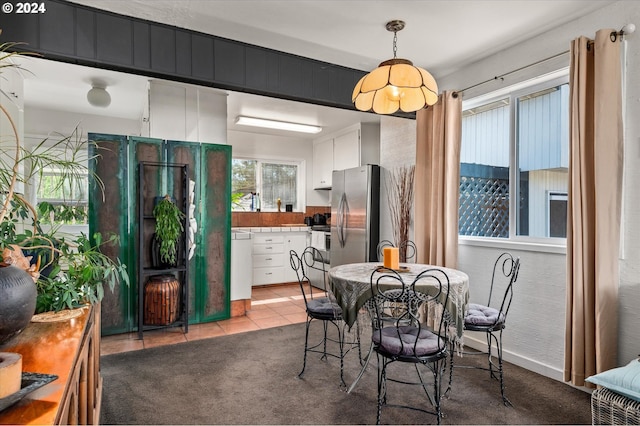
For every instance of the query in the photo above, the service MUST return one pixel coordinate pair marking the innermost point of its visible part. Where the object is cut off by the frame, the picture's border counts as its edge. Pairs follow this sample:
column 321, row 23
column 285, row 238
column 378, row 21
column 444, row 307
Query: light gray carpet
column 251, row 378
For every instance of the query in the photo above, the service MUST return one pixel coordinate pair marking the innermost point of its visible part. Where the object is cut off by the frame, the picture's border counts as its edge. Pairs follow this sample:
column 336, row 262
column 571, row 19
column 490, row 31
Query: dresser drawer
column 263, row 276
column 268, row 248
column 268, row 260
column 267, row 238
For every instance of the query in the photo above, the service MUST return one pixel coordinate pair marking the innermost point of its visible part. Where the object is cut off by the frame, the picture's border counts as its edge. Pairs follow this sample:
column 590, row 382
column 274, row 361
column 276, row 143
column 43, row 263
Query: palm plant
column 78, row 268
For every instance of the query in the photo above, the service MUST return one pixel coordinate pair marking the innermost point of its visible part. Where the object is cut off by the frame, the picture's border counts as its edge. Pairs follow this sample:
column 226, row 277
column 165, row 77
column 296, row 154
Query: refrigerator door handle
column 343, row 209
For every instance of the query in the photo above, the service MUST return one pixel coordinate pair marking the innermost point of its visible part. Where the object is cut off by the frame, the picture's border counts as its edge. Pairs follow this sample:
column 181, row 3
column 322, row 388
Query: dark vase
column 156, row 260
column 17, row 301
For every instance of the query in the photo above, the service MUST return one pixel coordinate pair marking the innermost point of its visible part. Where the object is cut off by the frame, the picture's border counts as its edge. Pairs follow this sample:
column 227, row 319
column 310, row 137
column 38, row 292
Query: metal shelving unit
column 173, row 177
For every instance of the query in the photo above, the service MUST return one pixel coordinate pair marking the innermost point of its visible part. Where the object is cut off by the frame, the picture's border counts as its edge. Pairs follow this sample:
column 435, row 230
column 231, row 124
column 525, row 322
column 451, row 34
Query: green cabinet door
column 214, row 236
column 109, row 214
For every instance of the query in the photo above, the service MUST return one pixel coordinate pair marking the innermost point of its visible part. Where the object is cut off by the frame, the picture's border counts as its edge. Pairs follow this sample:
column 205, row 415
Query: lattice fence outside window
column 484, row 207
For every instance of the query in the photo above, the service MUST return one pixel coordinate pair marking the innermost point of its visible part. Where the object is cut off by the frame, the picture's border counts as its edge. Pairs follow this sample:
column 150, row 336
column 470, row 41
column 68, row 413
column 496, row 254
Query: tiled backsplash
column 239, row 219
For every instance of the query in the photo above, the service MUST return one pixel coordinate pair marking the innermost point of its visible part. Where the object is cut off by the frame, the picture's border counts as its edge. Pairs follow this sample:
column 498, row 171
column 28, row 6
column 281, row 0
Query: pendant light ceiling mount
column 396, row 84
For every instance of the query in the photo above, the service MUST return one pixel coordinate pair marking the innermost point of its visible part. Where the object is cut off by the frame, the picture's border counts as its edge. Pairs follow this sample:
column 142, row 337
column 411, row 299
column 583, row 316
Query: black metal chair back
column 408, row 247
column 505, row 270
column 399, row 334
column 310, row 259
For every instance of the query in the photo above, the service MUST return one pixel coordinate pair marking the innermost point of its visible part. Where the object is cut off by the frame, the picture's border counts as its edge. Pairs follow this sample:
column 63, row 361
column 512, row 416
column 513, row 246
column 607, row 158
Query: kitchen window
column 514, row 163
column 260, row 183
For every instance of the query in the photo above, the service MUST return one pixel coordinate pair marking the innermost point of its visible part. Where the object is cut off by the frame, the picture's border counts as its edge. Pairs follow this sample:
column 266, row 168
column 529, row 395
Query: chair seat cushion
column 480, row 315
column 324, row 307
column 401, row 340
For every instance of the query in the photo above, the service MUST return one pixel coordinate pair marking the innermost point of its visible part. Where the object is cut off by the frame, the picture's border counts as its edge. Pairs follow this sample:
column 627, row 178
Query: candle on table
column 390, row 257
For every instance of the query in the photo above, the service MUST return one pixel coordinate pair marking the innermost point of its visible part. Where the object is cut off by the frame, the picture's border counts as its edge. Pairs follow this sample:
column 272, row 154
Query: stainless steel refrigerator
column 355, row 215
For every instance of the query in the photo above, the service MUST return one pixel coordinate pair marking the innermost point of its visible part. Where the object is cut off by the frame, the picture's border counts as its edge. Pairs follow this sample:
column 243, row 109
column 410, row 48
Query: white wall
column 397, row 148
column 535, row 335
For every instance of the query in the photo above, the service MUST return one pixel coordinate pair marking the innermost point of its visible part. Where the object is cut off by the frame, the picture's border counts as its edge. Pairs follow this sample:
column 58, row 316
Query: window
column 65, row 197
column 267, row 181
column 514, row 163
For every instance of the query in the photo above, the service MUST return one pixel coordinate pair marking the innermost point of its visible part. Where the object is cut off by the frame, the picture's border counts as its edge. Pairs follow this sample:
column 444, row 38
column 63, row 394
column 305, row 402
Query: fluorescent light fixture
column 274, row 124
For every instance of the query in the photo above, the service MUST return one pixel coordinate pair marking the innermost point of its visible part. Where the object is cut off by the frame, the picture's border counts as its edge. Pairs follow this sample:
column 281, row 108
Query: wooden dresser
column 71, row 350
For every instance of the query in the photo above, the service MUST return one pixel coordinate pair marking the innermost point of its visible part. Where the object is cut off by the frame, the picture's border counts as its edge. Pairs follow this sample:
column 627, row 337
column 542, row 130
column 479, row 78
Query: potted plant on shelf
column 168, row 231
column 77, row 269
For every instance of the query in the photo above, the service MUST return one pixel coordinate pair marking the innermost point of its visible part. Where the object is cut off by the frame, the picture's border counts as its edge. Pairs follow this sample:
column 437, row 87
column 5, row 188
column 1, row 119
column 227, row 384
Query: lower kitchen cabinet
column 270, row 255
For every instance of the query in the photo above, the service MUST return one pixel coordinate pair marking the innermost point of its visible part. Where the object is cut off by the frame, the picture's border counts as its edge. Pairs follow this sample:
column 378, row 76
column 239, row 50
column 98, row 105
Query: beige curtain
column 593, row 223
column 437, row 181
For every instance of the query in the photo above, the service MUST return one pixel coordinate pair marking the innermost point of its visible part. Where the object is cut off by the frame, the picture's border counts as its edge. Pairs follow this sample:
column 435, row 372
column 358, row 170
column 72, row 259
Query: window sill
column 541, row 247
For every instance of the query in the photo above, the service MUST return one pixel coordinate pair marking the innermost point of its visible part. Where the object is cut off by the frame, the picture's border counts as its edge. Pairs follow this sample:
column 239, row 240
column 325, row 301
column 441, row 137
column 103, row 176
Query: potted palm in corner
column 169, row 230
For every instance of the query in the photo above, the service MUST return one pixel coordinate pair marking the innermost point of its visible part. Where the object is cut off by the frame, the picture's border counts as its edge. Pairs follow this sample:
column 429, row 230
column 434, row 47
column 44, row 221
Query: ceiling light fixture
column 274, row 124
column 395, row 84
column 98, row 96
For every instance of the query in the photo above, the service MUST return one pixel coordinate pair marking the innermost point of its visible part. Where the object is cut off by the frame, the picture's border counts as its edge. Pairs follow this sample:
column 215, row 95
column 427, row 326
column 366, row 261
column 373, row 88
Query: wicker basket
column 610, row 408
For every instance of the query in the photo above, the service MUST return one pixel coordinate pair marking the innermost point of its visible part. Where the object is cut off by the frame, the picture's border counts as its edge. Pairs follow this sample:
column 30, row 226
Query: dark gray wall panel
column 86, row 34
column 323, row 77
column 57, row 27
column 255, row 76
column 183, row 53
column 295, row 76
column 22, row 28
column 346, row 79
column 80, row 34
column 201, row 57
column 114, row 36
column 141, row 45
column 229, row 62
column 163, row 49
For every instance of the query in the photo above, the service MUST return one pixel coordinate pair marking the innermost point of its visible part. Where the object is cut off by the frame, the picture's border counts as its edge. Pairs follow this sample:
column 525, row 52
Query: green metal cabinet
column 209, row 268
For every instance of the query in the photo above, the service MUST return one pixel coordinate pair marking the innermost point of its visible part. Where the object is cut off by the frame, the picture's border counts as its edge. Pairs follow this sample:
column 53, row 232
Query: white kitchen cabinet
column 354, row 146
column 270, row 256
column 241, row 269
column 346, row 150
column 296, row 241
column 322, row 164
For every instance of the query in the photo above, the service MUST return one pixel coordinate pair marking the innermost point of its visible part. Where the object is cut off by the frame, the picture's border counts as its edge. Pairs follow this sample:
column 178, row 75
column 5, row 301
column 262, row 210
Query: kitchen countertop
column 281, row 228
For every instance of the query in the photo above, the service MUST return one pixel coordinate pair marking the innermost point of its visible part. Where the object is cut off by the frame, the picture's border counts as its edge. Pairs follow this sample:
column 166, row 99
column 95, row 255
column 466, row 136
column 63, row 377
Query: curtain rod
column 614, row 36
column 502, row 76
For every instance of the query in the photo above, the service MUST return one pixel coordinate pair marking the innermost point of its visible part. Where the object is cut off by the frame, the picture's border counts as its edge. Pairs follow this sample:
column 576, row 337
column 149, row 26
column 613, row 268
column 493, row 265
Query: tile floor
column 271, row 306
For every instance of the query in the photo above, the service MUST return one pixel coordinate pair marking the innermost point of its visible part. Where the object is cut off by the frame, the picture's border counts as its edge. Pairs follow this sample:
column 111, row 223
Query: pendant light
column 396, row 84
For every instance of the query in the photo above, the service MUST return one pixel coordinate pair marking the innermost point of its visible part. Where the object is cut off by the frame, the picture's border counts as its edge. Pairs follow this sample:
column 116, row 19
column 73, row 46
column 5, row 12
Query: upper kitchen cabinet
column 354, row 146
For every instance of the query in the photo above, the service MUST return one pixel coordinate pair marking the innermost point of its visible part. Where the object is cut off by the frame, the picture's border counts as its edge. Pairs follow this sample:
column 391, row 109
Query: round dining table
column 351, row 288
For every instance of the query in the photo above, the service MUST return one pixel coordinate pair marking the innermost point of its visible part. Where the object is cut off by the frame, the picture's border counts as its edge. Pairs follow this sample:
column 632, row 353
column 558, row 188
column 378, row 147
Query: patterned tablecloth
column 351, row 288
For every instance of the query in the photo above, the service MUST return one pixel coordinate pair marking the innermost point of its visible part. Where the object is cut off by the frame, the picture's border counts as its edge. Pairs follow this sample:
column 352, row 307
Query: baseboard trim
column 519, row 360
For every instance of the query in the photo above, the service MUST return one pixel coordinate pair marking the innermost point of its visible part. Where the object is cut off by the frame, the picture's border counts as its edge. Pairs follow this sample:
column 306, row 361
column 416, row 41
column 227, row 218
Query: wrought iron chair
column 321, row 307
column 398, row 335
column 491, row 319
column 369, row 306
column 408, row 246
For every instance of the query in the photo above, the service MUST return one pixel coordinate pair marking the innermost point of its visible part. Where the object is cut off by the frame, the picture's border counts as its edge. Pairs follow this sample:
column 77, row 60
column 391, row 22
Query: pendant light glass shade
column 395, row 85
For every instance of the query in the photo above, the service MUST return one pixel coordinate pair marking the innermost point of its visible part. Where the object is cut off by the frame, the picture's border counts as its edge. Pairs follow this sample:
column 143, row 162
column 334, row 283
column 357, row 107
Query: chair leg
column 324, row 349
column 382, row 386
column 438, row 370
column 306, row 341
column 505, row 400
column 341, row 345
column 451, row 350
